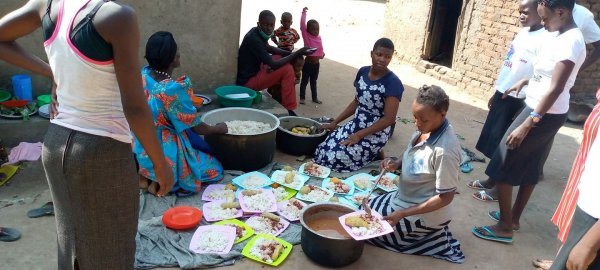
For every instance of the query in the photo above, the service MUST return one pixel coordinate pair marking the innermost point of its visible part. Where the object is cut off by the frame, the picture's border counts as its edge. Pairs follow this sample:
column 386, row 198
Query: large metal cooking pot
column 242, row 152
column 327, row 250
column 297, row 144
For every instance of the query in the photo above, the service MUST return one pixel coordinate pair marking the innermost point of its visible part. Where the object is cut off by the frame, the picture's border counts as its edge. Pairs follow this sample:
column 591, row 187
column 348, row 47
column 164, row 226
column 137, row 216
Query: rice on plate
column 212, row 241
column 256, row 201
column 291, row 209
column 280, row 193
column 219, row 192
column 314, row 194
column 215, row 211
column 237, row 127
column 291, row 179
column 271, row 224
column 254, row 181
column 364, row 225
column 266, row 249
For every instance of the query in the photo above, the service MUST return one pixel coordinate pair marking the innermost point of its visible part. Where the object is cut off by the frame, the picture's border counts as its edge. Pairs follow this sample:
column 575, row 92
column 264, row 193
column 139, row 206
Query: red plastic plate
column 182, row 217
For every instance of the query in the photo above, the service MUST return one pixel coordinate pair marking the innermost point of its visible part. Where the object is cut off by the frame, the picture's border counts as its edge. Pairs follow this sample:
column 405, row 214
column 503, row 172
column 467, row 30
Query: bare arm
column 389, row 117
column 430, row 205
column 118, row 25
column 16, row 24
column 586, row 250
column 560, row 75
column 593, row 57
column 275, row 64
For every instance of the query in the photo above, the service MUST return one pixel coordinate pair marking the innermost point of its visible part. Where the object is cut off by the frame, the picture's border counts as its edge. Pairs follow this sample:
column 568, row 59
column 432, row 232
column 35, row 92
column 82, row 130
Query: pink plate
column 387, row 228
column 227, row 231
column 212, row 188
column 208, row 214
column 269, row 194
column 284, row 203
column 281, row 220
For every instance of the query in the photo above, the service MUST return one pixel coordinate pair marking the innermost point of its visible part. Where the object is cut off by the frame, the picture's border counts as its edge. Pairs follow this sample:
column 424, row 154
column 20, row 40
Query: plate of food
column 291, row 209
column 362, row 226
column 267, row 223
column 313, row 169
column 357, row 198
column 258, row 201
column 313, row 193
column 252, row 180
column 267, row 249
column 213, row 239
column 339, row 186
column 362, row 181
column 219, row 192
column 282, row 193
column 291, row 179
column 219, row 210
column 242, row 230
column 17, row 109
column 388, row 182
column 348, row 202
column 205, row 99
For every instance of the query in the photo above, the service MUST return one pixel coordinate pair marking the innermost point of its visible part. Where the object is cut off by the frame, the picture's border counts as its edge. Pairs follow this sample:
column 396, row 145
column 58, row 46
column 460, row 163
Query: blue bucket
column 22, row 87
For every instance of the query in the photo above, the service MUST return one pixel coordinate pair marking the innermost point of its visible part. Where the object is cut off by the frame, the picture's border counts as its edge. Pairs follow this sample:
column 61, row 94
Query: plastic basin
column 224, row 92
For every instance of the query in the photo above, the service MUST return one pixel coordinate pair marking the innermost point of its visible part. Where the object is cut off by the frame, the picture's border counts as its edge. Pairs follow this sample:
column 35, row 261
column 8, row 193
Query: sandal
column 46, row 210
column 9, row 234
column 495, row 216
column 182, row 193
column 484, row 197
column 476, row 184
column 489, row 235
column 542, row 264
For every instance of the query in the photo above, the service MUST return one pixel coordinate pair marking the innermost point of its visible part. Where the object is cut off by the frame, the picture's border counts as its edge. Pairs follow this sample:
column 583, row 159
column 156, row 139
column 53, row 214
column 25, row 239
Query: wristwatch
column 535, row 117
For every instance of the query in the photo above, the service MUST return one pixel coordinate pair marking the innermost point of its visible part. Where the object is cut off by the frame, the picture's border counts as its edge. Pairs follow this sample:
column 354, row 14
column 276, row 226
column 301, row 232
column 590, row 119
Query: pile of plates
column 44, row 111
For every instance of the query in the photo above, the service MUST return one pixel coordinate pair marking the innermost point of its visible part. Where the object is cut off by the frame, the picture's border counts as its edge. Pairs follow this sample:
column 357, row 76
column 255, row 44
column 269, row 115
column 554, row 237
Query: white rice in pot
column 237, row 127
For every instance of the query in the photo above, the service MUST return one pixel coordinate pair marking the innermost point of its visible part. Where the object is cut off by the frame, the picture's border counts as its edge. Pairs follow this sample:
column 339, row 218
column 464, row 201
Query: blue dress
column 371, row 97
column 173, row 113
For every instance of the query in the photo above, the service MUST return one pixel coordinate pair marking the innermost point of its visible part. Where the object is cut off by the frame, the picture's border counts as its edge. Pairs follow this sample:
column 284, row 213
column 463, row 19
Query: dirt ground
column 348, row 35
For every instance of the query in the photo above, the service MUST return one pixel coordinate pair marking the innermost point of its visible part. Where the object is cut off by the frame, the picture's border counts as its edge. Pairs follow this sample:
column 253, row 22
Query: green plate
column 4, row 95
column 287, row 249
column 290, row 192
column 249, row 231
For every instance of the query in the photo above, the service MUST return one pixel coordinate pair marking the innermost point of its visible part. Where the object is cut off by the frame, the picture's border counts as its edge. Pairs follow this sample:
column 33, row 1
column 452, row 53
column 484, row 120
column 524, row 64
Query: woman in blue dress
column 361, row 140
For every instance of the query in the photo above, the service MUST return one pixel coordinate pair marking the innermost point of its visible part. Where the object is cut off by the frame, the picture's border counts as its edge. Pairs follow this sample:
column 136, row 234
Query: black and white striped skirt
column 412, row 236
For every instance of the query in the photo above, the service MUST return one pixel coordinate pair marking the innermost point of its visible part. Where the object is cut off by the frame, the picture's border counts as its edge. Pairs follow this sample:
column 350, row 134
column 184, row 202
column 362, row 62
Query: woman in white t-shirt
column 520, row 156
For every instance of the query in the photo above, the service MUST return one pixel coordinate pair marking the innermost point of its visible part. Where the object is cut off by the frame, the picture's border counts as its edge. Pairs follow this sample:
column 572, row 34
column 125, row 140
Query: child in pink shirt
column 310, row 71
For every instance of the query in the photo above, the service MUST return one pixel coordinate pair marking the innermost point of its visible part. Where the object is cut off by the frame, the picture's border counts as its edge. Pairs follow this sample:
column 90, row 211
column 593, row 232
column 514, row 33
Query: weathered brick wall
column 486, row 28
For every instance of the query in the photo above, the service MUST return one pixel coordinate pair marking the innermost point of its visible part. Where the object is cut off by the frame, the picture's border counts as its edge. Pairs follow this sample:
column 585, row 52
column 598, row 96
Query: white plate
column 205, row 99
column 325, row 174
column 18, row 116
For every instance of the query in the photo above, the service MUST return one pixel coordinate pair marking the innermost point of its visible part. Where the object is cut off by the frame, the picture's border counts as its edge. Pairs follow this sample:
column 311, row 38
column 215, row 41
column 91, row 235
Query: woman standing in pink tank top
column 92, row 48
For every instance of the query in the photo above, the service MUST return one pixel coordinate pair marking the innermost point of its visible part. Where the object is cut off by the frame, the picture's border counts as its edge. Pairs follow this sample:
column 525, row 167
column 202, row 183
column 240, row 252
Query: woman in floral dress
column 361, row 140
column 176, row 120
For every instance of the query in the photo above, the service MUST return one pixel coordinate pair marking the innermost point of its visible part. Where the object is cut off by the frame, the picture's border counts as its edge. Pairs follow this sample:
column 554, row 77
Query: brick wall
column 486, row 29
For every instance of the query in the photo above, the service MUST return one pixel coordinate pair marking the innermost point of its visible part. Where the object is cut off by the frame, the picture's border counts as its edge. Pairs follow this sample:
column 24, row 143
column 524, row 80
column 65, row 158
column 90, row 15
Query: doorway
column 442, row 31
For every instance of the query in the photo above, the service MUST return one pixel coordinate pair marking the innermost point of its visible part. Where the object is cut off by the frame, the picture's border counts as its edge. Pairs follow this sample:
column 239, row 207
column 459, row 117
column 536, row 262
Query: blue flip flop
column 466, row 167
column 46, row 210
column 495, row 216
column 491, row 235
column 9, row 234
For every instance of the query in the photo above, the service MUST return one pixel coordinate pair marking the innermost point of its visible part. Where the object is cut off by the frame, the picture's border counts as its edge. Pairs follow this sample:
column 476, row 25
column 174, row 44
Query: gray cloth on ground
column 158, row 246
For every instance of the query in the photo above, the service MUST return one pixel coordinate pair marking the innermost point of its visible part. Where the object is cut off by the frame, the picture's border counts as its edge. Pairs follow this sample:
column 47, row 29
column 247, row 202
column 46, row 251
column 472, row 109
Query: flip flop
column 6, row 173
column 9, row 234
column 181, row 193
column 466, row 167
column 483, row 196
column 542, row 264
column 476, row 184
column 46, row 210
column 491, row 235
column 495, row 216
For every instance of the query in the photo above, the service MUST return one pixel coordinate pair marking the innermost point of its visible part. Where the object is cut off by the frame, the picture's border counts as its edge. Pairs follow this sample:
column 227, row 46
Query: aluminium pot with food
column 242, row 152
column 323, row 238
column 299, row 136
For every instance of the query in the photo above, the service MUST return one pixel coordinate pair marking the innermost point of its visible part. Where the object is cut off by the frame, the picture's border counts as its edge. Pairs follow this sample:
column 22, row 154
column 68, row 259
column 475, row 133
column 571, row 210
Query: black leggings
column 309, row 72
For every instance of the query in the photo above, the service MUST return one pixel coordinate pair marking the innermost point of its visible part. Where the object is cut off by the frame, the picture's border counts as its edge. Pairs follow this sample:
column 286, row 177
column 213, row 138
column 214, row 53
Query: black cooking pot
column 328, row 250
column 297, row 144
column 242, row 152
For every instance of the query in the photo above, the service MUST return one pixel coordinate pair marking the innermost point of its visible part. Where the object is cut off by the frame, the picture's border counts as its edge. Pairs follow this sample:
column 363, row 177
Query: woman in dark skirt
column 520, row 156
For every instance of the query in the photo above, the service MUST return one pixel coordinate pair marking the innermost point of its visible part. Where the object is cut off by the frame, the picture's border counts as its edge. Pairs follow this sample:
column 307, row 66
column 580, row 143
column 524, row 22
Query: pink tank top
column 88, row 94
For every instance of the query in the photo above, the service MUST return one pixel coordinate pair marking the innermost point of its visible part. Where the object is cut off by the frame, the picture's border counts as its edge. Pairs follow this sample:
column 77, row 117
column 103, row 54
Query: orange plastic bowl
column 182, row 217
column 197, row 101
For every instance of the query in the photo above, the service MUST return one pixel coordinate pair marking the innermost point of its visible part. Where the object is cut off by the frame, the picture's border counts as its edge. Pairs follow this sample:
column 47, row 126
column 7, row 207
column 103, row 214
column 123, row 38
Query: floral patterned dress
column 173, row 112
column 371, row 97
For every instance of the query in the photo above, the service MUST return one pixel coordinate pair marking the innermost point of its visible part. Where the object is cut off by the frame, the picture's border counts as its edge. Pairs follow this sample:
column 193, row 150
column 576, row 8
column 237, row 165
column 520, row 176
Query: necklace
column 162, row 73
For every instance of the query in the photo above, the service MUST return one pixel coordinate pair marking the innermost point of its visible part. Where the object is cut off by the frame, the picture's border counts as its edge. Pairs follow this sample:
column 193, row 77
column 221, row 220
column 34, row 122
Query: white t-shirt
column 585, row 21
column 518, row 63
column 589, row 184
column 567, row 46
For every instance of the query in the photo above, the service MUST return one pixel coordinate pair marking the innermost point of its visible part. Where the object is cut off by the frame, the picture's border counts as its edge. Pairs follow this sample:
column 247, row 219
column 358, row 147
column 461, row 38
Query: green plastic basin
column 226, row 101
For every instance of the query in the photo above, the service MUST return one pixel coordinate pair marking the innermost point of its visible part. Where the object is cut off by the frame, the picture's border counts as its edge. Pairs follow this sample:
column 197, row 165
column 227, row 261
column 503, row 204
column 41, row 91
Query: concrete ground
column 348, row 47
